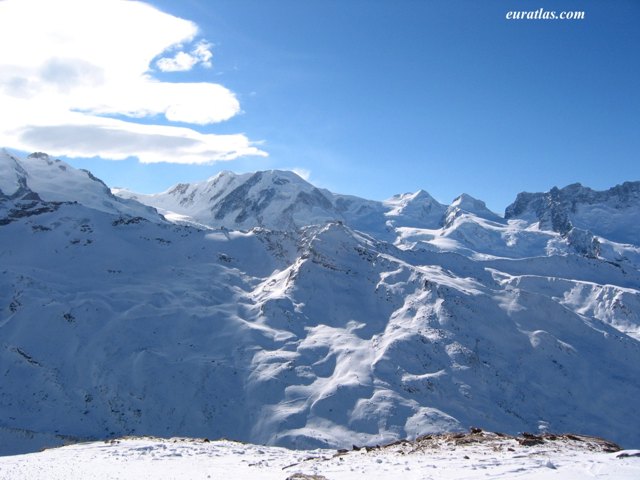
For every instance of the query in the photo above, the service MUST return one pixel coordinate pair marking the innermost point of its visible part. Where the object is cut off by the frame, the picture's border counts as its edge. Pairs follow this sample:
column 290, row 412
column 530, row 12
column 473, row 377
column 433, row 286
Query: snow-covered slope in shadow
column 318, row 335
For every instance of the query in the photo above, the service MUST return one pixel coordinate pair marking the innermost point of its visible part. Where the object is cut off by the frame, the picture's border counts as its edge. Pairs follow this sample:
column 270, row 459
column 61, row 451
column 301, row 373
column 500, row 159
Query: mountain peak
column 274, row 199
column 42, row 155
column 611, row 213
column 469, row 203
column 417, row 209
column 53, row 180
column 12, row 174
column 466, row 204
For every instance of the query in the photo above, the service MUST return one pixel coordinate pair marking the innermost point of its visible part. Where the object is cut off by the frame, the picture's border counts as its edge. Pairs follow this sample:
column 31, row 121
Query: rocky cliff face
column 612, row 213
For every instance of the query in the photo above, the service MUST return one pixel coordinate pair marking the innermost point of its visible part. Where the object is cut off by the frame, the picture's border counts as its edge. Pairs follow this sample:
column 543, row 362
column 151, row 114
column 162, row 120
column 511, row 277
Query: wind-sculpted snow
column 115, row 324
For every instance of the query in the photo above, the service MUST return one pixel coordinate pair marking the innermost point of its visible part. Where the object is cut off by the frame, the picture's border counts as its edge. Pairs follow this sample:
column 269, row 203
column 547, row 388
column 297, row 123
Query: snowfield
column 261, row 309
column 480, row 455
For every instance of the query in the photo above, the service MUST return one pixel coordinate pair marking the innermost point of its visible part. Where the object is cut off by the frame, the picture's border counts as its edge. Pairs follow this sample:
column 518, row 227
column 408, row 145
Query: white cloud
column 302, row 173
column 66, row 64
column 182, row 61
column 203, row 53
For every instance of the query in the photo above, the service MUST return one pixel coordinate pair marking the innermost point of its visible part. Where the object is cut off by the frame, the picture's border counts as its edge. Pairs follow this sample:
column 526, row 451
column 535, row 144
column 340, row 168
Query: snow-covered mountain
column 273, row 199
column 365, row 323
column 41, row 179
column 281, row 200
column 415, row 210
column 612, row 214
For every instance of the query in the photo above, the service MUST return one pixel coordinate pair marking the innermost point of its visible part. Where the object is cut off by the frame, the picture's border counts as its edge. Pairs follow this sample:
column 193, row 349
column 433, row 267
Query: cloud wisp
column 183, row 61
column 76, row 78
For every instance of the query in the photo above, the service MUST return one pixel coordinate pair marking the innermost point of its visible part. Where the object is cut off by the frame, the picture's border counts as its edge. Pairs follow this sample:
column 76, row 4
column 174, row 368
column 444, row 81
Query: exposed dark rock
column 555, row 208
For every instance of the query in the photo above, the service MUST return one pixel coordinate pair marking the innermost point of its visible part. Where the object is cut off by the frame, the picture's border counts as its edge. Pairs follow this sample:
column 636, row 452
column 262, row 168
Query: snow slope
column 316, row 335
column 445, row 457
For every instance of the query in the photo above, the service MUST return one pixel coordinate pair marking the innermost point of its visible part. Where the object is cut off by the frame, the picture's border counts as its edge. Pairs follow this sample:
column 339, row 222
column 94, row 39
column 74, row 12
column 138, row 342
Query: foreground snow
column 435, row 457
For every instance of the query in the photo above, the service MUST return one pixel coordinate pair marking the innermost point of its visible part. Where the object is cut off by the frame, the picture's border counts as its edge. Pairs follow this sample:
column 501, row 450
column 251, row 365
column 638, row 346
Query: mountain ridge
column 563, row 209
column 553, row 211
column 319, row 335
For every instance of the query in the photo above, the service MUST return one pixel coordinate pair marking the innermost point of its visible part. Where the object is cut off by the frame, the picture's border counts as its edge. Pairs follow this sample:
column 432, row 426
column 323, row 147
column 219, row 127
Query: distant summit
column 42, row 178
column 271, row 199
column 613, row 213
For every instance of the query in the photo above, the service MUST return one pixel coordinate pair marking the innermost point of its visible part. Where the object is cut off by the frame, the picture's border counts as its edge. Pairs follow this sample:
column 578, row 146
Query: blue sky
column 373, row 98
